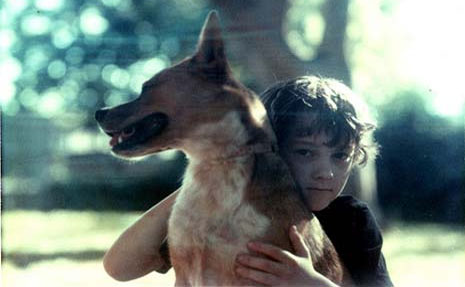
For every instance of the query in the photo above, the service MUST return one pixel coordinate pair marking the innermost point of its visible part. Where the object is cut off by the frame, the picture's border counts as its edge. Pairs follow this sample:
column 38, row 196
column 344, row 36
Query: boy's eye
column 304, row 152
column 343, row 156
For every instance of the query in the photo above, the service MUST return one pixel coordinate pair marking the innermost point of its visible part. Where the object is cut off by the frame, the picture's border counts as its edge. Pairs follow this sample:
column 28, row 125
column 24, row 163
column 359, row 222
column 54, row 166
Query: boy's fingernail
column 239, row 270
column 252, row 244
column 240, row 258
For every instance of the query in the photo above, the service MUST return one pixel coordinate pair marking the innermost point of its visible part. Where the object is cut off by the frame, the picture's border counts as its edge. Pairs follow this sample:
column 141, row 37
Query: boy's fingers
column 262, row 264
column 271, row 251
column 298, row 242
column 256, row 276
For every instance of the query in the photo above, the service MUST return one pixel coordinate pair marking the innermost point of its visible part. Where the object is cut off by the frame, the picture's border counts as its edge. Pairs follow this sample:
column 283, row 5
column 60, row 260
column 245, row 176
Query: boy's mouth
column 138, row 132
column 320, row 189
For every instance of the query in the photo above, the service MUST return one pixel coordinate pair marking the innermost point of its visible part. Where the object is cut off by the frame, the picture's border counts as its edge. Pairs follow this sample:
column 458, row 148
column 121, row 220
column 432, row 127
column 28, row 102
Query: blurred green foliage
column 65, row 57
column 61, row 60
column 420, row 170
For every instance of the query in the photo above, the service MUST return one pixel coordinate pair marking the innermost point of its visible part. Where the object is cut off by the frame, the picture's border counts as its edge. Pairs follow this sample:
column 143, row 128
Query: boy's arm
column 137, row 251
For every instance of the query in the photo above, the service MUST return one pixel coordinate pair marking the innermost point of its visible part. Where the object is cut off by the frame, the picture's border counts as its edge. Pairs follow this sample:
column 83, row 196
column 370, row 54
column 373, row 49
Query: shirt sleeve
column 353, row 230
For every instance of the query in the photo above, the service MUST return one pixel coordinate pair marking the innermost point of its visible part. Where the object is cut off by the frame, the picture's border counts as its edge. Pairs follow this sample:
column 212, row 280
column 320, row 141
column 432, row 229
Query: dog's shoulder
column 271, row 173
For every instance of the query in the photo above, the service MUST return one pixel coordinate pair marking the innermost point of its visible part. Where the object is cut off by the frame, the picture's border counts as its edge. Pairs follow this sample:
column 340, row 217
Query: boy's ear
column 210, row 49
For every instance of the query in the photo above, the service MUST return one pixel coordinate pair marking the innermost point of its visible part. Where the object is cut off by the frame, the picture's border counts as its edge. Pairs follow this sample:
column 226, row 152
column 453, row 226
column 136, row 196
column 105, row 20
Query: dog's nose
column 100, row 114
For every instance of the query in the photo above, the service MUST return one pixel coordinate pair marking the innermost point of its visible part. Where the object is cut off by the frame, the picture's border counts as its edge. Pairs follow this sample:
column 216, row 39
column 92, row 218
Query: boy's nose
column 323, row 171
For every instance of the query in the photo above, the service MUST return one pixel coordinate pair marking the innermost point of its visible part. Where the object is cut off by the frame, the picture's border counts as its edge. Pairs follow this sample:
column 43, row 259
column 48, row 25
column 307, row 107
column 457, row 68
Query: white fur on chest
column 210, row 208
column 210, row 214
column 211, row 220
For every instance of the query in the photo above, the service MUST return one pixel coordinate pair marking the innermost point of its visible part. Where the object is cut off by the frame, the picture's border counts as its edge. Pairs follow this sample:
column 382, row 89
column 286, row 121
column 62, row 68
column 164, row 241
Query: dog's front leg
column 182, row 265
column 181, row 282
column 181, row 279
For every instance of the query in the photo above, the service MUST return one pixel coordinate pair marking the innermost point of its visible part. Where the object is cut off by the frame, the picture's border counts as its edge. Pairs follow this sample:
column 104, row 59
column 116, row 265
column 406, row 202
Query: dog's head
column 199, row 90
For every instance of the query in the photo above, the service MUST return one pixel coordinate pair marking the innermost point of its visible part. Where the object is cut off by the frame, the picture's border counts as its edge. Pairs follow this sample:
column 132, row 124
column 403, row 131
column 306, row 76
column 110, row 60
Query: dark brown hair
column 336, row 111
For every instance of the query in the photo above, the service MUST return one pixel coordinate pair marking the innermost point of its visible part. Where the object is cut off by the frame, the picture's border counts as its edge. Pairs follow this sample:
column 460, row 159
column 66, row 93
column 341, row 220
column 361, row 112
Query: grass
column 425, row 255
column 62, row 231
column 65, row 248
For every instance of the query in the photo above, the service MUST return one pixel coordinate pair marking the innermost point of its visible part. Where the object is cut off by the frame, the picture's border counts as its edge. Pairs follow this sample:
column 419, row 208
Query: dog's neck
column 227, row 140
column 245, row 151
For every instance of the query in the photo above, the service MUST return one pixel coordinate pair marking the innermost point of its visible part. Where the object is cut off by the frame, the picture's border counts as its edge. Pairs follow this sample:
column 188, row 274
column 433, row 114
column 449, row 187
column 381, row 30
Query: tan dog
column 236, row 188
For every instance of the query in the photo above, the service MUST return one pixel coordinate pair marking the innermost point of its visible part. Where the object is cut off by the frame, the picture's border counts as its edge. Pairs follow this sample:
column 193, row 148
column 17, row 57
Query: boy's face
column 320, row 171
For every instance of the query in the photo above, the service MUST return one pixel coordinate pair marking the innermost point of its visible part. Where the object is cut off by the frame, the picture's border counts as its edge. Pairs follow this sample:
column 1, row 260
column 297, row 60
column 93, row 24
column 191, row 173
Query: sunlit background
column 65, row 199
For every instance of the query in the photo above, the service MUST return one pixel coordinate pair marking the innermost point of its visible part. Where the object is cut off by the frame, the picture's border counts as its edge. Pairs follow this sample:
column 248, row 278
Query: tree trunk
column 254, row 35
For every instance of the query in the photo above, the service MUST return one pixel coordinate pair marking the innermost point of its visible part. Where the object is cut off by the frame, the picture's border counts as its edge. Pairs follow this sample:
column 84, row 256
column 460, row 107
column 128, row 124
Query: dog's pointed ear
column 210, row 49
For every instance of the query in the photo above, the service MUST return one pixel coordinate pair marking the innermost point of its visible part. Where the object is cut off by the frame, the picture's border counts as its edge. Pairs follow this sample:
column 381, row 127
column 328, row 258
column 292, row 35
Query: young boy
column 322, row 132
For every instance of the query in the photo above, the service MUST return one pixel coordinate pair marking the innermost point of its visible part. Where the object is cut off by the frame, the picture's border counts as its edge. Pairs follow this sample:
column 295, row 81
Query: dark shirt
column 353, row 230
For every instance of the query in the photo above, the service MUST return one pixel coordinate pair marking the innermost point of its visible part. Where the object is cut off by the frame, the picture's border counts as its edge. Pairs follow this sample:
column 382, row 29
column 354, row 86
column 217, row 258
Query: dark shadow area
column 421, row 166
column 23, row 260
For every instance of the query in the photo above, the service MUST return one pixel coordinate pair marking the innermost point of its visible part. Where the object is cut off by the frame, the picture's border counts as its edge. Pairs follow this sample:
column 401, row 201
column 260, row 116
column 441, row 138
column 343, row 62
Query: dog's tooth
column 120, row 139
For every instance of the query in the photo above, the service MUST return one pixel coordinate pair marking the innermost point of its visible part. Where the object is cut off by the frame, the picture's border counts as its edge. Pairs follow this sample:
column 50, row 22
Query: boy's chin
column 319, row 208
column 319, row 205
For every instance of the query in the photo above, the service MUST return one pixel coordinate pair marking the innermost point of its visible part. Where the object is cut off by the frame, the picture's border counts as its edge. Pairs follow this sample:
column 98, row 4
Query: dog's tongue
column 114, row 140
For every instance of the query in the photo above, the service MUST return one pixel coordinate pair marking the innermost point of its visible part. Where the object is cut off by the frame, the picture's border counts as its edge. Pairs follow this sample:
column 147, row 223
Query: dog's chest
column 210, row 211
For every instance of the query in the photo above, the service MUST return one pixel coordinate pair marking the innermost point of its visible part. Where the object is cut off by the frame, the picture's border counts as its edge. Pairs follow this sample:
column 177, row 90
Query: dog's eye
column 147, row 87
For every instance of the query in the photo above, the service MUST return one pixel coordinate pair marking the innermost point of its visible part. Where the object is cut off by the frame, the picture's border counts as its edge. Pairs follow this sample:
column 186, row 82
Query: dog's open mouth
column 138, row 133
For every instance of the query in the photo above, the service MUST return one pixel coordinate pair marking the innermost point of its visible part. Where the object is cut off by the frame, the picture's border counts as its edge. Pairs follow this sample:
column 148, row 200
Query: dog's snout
column 100, row 114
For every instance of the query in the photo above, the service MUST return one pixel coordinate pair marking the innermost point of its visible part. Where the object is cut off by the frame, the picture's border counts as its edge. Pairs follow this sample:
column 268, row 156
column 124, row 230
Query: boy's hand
column 280, row 267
